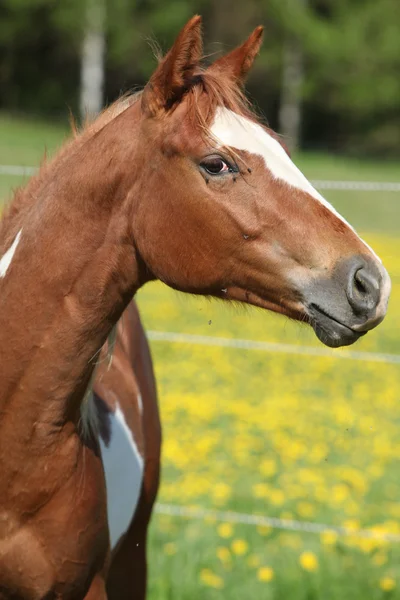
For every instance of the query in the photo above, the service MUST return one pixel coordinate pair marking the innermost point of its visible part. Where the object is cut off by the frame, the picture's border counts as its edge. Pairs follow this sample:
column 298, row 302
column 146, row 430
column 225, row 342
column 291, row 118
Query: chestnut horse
column 180, row 183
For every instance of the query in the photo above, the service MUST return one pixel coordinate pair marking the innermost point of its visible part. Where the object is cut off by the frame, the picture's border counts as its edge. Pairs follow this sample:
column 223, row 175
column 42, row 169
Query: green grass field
column 296, row 437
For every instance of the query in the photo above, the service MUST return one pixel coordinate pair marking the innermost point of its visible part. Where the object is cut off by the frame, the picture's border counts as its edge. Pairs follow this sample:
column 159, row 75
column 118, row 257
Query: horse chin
column 331, row 332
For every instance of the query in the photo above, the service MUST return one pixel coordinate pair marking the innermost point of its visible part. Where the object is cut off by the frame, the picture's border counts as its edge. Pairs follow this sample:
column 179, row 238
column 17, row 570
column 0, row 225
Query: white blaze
column 238, row 132
column 8, row 256
column 123, row 468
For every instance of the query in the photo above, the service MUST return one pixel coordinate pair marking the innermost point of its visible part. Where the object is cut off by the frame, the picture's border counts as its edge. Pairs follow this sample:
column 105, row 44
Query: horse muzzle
column 352, row 301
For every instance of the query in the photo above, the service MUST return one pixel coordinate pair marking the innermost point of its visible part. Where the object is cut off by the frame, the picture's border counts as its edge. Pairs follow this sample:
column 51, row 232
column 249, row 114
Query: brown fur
column 126, row 201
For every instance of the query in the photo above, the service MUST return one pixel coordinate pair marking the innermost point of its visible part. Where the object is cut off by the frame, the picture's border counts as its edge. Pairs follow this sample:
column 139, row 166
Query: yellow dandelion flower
column 221, row 492
column 265, row 574
column 239, row 547
column 339, row 493
column 268, row 467
column 329, row 538
column 225, row 530
column 170, row 549
column 261, row 490
column 387, row 584
column 277, row 497
column 367, row 545
column 352, row 524
column 375, row 470
column 211, row 579
column 223, row 554
column 264, row 529
column 305, row 509
column 308, row 561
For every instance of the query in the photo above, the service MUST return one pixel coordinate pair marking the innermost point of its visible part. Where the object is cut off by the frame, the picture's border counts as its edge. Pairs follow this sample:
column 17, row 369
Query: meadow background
column 308, row 438
column 305, row 438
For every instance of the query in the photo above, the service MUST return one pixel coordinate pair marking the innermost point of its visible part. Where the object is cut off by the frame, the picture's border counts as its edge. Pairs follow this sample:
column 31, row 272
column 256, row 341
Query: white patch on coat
column 8, row 256
column 238, row 132
column 123, row 468
column 140, row 403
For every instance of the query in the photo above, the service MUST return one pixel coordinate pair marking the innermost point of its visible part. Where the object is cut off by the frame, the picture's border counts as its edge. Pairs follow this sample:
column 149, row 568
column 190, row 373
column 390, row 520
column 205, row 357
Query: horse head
column 221, row 209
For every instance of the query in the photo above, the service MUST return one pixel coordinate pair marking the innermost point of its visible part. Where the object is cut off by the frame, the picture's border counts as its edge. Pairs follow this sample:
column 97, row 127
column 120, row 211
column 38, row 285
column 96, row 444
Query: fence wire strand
column 189, row 512
column 322, row 184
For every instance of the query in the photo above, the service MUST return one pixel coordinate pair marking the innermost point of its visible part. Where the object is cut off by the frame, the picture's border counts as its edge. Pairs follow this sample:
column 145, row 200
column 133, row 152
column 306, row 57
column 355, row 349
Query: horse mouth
column 329, row 330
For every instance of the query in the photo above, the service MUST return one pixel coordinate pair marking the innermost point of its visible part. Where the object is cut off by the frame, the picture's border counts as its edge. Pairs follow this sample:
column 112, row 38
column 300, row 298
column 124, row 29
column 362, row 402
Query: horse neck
column 72, row 274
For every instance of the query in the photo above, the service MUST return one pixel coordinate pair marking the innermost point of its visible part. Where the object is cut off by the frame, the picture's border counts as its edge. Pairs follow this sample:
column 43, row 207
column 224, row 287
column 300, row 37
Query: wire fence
column 322, row 184
column 191, row 512
column 205, row 340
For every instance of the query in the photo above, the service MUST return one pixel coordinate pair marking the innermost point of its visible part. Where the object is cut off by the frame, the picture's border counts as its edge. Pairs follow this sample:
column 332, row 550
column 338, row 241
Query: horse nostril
column 364, row 290
column 360, row 284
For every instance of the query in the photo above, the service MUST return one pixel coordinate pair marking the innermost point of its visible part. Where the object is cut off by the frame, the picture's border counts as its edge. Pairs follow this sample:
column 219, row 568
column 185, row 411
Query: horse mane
column 208, row 90
column 26, row 194
column 25, row 197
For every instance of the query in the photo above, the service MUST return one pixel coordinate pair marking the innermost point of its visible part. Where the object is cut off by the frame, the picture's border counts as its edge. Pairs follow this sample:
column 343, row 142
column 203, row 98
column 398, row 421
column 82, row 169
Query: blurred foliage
column 351, row 94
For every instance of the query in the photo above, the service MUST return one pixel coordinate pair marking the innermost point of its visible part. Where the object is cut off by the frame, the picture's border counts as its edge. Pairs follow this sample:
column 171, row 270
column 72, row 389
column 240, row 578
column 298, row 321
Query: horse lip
column 327, row 315
column 329, row 330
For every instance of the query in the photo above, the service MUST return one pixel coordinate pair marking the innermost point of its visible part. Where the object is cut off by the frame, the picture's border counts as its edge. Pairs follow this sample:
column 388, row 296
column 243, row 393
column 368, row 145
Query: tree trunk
column 92, row 66
column 291, row 92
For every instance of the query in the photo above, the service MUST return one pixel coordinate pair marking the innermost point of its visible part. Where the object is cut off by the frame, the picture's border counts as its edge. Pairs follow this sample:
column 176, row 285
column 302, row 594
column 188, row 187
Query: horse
column 183, row 183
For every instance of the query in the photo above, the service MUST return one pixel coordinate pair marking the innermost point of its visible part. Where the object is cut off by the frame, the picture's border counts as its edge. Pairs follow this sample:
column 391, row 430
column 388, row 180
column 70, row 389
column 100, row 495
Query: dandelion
column 239, row 547
column 387, row 584
column 225, row 530
column 265, row 574
column 268, row 467
column 264, row 529
column 308, row 561
column 223, row 554
column 277, row 497
column 166, row 525
column 367, row 545
column 305, row 509
column 339, row 493
column 221, row 492
column 351, row 525
column 211, row 579
column 261, row 490
column 170, row 549
column 329, row 537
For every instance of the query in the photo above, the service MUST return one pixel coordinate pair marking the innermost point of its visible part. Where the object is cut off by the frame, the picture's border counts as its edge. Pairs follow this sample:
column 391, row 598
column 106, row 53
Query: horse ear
column 237, row 63
column 175, row 72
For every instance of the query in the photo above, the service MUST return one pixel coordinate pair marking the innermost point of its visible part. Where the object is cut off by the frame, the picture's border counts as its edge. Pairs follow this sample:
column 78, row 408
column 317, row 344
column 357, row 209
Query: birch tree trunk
column 92, row 65
column 290, row 114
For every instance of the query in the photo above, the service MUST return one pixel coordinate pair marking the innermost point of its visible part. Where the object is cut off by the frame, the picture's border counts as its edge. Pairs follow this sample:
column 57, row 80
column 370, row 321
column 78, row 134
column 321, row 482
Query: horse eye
column 215, row 165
